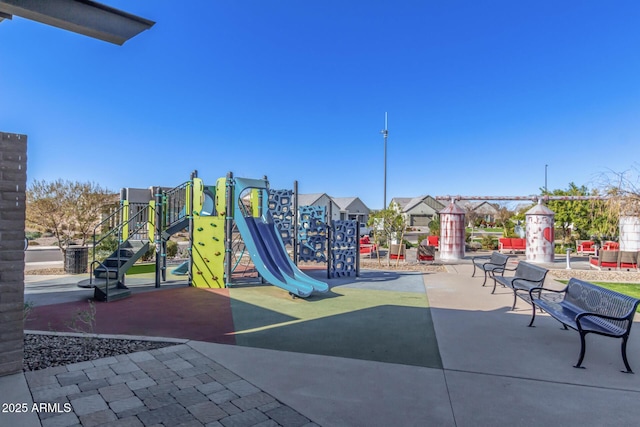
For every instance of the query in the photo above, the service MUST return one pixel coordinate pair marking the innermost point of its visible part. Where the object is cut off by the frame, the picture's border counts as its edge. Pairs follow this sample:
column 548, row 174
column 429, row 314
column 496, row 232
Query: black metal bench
column 495, row 263
column 588, row 308
column 526, row 277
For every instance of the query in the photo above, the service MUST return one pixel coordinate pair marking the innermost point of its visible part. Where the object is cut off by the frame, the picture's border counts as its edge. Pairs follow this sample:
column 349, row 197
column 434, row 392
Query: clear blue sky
column 480, row 95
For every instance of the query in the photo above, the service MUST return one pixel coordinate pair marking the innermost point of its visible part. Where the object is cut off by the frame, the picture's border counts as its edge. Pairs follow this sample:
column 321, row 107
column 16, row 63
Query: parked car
column 365, row 231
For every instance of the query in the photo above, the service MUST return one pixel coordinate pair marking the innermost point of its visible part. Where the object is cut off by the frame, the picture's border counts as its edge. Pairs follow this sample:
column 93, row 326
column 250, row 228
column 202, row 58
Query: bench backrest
column 628, row 259
column 426, row 250
column 518, row 243
column 498, row 258
column 531, row 272
column 596, row 299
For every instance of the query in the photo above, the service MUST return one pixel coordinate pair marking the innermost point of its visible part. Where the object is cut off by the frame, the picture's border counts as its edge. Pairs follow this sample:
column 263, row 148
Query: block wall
column 13, row 180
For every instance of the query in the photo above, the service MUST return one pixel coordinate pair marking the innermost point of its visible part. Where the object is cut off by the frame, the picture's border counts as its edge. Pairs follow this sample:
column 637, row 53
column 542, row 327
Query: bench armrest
column 540, row 289
column 628, row 316
column 496, row 267
column 522, row 279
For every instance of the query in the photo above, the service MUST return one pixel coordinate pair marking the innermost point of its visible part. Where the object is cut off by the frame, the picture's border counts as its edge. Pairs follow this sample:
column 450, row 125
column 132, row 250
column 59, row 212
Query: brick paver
column 115, row 392
column 207, row 412
column 120, row 406
column 175, row 386
column 89, row 404
column 244, row 419
column 98, row 418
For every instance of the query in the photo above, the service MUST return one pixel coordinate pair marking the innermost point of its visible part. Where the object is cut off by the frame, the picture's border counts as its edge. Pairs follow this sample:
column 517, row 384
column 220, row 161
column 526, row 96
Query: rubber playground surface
column 379, row 316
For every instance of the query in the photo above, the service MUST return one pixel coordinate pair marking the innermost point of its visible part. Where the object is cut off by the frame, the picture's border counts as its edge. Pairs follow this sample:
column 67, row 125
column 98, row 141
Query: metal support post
column 329, row 236
column 189, row 212
column 295, row 222
column 357, row 248
column 228, row 230
column 158, row 232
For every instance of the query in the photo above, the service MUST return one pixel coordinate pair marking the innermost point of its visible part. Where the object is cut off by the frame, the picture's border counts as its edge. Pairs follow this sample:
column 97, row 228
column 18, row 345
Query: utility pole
column 385, row 134
column 545, row 178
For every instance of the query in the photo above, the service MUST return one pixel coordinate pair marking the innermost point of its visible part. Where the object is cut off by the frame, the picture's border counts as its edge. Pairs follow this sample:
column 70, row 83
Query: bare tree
column 623, row 198
column 503, row 215
column 67, row 209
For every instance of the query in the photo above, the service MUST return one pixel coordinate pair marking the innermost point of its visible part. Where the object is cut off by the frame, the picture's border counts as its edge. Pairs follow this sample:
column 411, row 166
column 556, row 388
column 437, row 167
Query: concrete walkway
column 496, row 372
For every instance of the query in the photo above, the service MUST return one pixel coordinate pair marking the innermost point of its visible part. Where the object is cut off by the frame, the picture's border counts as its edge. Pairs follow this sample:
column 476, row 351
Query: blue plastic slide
column 267, row 250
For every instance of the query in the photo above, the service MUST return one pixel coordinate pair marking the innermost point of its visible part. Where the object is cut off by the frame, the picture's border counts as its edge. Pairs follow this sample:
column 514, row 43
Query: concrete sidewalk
column 496, row 372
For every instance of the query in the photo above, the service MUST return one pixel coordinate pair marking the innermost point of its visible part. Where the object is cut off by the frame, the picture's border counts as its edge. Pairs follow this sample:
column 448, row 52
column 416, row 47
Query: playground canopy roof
column 80, row 16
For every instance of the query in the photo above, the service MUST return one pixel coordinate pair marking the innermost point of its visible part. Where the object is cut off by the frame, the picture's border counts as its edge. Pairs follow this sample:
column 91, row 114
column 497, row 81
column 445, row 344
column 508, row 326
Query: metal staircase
column 109, row 275
column 107, row 278
column 175, row 210
column 134, row 226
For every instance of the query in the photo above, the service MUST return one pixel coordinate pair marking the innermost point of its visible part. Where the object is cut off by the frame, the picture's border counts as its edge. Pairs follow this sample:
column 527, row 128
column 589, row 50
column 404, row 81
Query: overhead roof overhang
column 80, row 16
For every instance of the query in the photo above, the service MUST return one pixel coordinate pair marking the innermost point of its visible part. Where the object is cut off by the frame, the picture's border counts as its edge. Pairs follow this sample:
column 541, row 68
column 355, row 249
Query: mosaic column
column 452, row 233
column 312, row 234
column 540, row 234
column 280, row 202
column 344, row 247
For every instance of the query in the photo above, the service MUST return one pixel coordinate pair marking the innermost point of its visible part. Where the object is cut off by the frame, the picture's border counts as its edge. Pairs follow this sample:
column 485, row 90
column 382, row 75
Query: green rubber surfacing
column 376, row 325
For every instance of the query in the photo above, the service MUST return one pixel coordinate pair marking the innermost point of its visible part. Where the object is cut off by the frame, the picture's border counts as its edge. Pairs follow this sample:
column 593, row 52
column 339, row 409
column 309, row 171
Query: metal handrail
column 117, row 228
column 176, row 202
column 137, row 226
column 91, row 276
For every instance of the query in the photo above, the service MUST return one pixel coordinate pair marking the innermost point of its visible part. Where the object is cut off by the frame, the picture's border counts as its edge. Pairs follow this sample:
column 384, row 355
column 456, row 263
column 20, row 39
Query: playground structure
column 540, row 247
column 225, row 222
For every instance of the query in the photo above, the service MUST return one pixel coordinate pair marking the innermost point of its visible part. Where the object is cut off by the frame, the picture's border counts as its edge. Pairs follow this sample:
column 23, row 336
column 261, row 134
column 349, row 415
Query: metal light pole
column 385, row 134
column 545, row 178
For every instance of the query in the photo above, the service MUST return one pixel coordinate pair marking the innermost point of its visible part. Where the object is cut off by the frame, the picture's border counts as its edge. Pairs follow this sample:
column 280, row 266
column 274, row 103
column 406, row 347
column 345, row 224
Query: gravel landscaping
column 45, row 351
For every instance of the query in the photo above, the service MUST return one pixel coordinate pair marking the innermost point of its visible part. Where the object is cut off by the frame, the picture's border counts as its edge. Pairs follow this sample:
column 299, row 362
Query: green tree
column 434, row 225
column 585, row 218
column 571, row 215
column 388, row 224
column 67, row 209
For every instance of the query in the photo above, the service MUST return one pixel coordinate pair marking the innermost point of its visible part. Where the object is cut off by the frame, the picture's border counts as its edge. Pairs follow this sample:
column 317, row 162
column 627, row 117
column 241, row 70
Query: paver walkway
column 171, row 386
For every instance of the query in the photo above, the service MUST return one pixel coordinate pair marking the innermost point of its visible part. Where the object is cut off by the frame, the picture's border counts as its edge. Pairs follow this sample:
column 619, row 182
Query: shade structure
column 80, row 16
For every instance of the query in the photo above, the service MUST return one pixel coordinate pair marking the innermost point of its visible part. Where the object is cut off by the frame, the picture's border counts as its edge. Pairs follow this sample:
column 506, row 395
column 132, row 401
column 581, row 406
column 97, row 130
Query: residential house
column 320, row 199
column 352, row 208
column 417, row 211
column 483, row 210
column 341, row 207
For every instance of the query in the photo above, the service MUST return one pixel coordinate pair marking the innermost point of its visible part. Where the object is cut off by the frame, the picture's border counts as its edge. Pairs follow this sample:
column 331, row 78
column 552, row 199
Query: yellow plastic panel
column 198, row 195
column 151, row 221
column 187, row 199
column 221, row 196
column 125, row 220
column 255, row 202
column 208, row 252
